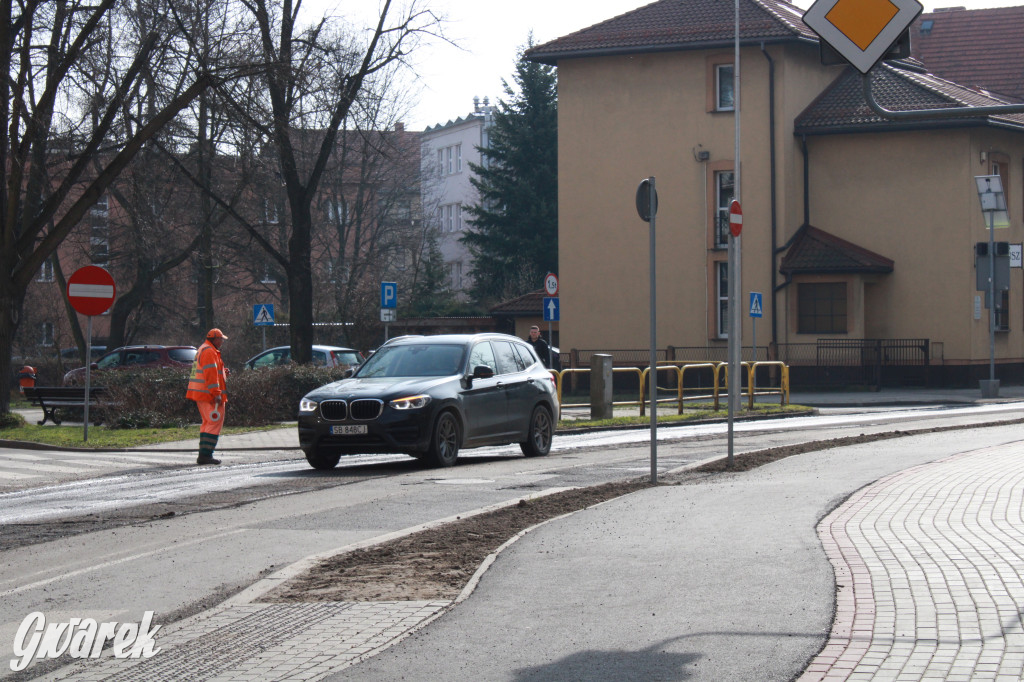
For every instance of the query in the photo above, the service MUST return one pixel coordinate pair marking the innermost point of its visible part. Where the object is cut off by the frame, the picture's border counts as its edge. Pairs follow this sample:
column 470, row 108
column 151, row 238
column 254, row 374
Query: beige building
column 859, row 230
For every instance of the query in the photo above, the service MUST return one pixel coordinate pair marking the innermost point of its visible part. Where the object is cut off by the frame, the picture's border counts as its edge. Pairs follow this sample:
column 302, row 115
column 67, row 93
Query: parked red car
column 137, row 357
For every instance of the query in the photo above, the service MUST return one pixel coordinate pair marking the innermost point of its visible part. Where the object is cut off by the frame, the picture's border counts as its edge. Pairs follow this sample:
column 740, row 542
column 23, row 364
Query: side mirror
column 348, row 372
column 94, row 366
column 482, row 372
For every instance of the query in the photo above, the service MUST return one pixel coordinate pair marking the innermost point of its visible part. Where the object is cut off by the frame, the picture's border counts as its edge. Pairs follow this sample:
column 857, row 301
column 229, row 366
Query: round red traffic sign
column 551, row 284
column 735, row 218
column 91, row 290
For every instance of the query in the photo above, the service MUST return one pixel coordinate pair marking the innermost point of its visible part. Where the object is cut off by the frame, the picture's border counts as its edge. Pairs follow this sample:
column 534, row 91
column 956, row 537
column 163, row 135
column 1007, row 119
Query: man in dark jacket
column 540, row 346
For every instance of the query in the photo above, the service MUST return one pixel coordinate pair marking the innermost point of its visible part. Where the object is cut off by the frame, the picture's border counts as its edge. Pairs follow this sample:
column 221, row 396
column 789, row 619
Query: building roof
column 981, row 48
column 842, row 107
column 814, row 251
column 669, row 25
column 527, row 304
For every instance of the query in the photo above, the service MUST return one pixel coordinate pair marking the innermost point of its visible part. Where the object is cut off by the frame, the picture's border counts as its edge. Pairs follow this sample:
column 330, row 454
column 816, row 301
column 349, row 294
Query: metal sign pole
column 88, row 367
column 992, row 296
column 652, row 375
column 735, row 324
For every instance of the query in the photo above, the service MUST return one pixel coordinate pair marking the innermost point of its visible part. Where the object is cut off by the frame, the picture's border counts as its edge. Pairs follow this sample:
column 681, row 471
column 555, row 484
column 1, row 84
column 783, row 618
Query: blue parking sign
column 388, row 295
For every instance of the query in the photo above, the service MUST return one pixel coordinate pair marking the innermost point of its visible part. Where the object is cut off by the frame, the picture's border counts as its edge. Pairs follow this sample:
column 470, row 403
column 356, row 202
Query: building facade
column 856, row 227
column 448, row 149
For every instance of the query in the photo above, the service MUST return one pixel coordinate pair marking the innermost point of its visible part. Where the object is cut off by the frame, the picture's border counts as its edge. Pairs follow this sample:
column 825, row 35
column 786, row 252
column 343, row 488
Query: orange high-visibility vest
column 208, row 381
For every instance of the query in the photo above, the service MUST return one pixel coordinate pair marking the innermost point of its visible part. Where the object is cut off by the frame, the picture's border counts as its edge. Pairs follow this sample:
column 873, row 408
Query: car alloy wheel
column 541, row 432
column 444, row 446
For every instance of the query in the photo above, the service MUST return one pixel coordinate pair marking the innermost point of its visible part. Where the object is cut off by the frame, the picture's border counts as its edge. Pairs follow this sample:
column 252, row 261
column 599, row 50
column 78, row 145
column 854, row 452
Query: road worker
column 208, row 388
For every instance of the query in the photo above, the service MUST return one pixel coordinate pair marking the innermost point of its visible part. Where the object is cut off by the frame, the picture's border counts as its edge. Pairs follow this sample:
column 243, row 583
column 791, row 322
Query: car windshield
column 414, row 360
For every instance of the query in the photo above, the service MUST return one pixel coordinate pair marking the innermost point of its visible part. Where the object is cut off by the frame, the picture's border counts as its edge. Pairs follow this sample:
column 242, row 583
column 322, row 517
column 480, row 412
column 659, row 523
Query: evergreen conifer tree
column 513, row 234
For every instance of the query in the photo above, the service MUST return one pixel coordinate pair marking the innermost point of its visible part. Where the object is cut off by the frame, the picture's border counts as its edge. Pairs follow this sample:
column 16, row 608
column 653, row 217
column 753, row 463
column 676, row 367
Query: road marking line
column 115, row 562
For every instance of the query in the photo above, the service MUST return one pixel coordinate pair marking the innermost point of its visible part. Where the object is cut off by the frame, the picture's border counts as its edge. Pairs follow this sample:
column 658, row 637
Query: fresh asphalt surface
column 690, row 582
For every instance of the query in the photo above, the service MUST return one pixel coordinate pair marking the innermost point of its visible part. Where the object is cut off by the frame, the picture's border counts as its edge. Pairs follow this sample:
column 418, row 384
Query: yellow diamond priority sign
column 861, row 30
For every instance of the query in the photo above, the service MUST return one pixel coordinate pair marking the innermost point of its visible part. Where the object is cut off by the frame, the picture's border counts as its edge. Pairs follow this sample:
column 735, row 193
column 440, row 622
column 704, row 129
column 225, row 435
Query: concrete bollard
column 600, row 386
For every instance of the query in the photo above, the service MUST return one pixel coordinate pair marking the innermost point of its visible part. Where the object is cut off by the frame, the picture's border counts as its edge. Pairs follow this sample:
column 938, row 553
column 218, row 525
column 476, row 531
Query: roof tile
column 679, row 25
column 814, row 251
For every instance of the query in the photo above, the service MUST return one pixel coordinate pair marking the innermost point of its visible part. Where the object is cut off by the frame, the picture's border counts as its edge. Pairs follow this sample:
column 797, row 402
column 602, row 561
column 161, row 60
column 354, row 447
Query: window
column 449, row 222
column 270, row 211
column 46, row 271
column 457, row 276
column 46, row 334
column 724, row 82
column 337, row 211
column 449, row 159
column 722, row 292
column 482, row 355
column 99, row 235
column 508, row 360
column 1003, row 311
column 458, row 217
column 821, row 308
column 725, row 191
column 99, row 246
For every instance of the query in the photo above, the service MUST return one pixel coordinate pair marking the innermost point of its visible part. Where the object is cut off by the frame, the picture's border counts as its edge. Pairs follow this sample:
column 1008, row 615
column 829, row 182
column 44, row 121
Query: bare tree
column 59, row 113
column 313, row 77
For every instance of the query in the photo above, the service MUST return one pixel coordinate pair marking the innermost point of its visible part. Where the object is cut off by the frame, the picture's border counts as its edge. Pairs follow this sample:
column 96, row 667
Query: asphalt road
column 180, row 564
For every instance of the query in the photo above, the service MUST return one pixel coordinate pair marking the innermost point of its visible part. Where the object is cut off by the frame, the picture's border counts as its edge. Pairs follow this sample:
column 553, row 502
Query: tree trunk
column 12, row 300
column 300, row 283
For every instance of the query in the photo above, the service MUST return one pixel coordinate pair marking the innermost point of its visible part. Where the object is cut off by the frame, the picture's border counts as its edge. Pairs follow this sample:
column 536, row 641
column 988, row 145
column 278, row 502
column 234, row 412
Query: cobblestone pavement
column 247, row 642
column 929, row 567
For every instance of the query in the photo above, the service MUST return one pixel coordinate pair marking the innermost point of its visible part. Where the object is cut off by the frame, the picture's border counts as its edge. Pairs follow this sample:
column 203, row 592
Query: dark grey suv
column 430, row 396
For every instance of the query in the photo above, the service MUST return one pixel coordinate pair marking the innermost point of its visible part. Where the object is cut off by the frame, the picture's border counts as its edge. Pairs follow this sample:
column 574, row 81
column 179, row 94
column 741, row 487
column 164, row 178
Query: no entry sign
column 91, row 290
column 735, row 218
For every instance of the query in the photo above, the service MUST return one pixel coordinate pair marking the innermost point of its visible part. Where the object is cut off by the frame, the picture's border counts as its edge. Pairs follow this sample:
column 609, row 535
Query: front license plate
column 348, row 429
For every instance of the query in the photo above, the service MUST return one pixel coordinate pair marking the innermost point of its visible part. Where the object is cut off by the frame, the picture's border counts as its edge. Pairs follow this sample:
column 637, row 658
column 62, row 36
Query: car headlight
column 307, row 405
column 413, row 402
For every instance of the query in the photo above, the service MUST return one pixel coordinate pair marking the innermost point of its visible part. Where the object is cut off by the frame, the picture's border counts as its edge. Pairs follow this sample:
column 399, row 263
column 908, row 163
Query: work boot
column 207, row 460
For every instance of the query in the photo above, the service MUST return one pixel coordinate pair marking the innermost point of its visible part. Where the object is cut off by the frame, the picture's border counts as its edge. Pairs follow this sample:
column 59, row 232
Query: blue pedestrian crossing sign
column 755, row 305
column 263, row 314
column 550, row 308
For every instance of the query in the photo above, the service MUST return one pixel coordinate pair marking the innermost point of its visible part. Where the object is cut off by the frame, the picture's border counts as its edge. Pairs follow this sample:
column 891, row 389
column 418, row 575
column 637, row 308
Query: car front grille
column 334, row 410
column 366, row 409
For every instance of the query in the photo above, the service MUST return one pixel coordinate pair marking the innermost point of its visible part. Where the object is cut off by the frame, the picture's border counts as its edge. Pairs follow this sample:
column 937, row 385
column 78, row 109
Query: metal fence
column 827, row 362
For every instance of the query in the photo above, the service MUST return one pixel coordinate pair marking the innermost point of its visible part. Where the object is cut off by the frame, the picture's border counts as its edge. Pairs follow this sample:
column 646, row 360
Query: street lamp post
column 993, row 207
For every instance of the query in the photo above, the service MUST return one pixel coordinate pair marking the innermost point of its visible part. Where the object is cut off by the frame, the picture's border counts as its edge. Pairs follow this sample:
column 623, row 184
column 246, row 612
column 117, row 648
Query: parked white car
column 323, row 356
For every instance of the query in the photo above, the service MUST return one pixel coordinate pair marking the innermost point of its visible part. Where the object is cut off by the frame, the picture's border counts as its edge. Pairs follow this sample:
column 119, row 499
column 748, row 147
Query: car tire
column 542, row 430
column 322, row 461
column 444, row 441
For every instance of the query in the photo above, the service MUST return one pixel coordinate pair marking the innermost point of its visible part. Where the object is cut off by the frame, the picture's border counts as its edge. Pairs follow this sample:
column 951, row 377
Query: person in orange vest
column 208, row 388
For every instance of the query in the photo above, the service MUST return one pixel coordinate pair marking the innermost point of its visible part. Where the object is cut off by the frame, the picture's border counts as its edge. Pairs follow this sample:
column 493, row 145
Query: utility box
column 1002, row 265
column 600, row 386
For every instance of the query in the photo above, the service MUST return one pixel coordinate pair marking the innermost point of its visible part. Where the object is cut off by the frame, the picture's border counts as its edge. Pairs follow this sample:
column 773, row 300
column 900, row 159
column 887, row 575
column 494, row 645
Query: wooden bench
column 53, row 398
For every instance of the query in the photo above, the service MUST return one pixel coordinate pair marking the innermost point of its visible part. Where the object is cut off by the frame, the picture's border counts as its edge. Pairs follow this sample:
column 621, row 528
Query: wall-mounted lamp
column 703, row 155
column 984, row 157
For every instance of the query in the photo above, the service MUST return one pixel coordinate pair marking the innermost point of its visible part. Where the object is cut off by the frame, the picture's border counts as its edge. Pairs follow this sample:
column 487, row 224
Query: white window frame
column 722, row 202
column 46, row 271
column 458, row 158
column 458, row 217
column 722, row 299
column 46, row 335
column 720, row 69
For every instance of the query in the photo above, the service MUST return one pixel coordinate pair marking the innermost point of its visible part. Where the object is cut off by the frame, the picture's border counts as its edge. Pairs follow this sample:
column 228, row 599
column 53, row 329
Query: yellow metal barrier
column 586, row 370
column 782, row 389
column 720, row 383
